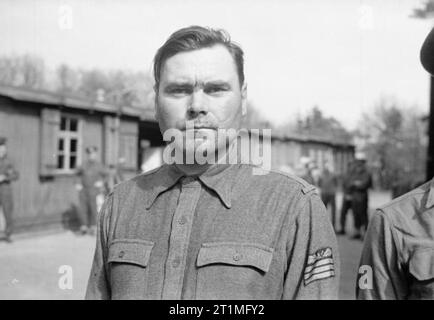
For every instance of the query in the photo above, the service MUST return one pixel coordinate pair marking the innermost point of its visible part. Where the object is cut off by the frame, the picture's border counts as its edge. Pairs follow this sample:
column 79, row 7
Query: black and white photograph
column 217, row 150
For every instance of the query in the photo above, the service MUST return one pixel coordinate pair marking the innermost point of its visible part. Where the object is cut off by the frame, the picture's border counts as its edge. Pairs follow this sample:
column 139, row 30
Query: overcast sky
column 342, row 55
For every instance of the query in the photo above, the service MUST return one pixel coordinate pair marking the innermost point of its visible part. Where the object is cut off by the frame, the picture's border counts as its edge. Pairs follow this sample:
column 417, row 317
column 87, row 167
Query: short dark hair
column 194, row 38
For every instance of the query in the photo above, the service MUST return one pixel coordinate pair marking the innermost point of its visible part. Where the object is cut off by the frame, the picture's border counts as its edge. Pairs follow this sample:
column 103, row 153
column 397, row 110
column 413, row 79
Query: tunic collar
column 218, row 178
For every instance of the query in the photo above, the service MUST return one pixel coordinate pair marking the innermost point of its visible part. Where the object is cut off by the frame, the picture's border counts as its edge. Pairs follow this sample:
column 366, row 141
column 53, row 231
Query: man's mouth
column 204, row 127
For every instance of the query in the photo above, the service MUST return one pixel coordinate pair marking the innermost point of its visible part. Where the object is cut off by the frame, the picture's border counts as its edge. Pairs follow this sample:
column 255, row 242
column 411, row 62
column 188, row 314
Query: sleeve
column 380, row 275
column 313, row 269
column 98, row 286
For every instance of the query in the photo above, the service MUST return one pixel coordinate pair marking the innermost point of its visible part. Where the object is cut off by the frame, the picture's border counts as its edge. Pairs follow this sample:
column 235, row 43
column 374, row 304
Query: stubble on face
column 201, row 86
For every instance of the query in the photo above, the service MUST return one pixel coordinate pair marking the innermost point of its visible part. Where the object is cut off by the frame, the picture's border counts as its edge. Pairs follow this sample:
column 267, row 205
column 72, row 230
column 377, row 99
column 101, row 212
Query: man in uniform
column 92, row 182
column 347, row 198
column 7, row 175
column 308, row 167
column 397, row 260
column 205, row 230
column 328, row 184
column 360, row 184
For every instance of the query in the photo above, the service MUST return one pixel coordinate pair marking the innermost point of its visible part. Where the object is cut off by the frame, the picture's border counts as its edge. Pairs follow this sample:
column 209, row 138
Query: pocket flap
column 239, row 254
column 130, row 251
column 422, row 264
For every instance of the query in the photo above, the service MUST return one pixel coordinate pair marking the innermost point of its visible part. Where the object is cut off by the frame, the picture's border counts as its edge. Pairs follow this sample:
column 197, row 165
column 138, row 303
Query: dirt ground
column 33, row 266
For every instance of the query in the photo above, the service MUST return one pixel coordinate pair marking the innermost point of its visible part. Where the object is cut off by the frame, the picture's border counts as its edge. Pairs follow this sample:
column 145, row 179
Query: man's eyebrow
column 217, row 83
column 188, row 84
column 173, row 84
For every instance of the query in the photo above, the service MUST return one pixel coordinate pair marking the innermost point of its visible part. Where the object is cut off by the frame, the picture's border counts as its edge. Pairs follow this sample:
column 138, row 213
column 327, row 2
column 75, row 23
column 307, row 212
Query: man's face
column 3, row 151
column 200, row 86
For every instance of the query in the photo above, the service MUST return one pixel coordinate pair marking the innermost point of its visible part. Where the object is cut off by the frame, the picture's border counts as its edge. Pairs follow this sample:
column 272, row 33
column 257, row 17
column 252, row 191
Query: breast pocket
column 128, row 260
column 421, row 267
column 229, row 270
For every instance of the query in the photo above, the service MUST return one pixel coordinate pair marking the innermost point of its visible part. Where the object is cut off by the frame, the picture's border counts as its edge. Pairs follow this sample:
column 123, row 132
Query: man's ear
column 244, row 99
column 156, row 113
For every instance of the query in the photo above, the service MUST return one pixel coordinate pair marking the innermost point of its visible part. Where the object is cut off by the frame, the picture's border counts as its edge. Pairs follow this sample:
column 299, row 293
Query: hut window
column 69, row 139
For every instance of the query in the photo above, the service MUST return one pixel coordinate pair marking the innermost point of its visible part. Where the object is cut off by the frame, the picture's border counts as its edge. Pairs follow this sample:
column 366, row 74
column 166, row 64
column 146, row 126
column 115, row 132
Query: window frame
column 67, row 136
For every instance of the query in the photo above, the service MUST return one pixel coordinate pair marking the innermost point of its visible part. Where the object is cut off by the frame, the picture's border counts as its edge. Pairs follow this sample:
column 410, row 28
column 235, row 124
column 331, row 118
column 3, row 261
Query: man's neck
column 198, row 169
column 193, row 169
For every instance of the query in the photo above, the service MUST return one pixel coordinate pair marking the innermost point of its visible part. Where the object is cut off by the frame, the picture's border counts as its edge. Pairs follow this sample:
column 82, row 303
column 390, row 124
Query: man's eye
column 215, row 89
column 179, row 91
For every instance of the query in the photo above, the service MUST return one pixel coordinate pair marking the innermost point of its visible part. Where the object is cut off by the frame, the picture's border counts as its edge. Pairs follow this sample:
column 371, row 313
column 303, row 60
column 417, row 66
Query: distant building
column 288, row 150
column 47, row 135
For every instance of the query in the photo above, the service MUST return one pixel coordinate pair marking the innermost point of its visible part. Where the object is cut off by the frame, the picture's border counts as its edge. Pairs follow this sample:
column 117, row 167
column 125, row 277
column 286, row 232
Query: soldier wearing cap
column 92, row 182
column 7, row 175
column 347, row 197
column 397, row 261
column 360, row 183
column 210, row 229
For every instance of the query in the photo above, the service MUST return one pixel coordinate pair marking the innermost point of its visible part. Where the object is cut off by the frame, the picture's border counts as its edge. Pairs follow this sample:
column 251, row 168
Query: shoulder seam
column 150, row 171
column 401, row 198
column 393, row 231
column 305, row 186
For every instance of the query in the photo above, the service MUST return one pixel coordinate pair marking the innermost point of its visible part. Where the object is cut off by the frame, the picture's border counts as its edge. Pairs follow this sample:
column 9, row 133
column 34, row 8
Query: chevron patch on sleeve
column 320, row 265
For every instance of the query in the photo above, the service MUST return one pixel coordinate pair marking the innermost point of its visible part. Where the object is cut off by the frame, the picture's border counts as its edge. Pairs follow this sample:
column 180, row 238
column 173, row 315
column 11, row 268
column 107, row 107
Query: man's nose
column 198, row 104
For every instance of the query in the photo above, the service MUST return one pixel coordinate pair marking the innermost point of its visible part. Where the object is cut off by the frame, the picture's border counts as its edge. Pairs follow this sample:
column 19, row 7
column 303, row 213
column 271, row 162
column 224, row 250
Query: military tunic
column 398, row 255
column 225, row 234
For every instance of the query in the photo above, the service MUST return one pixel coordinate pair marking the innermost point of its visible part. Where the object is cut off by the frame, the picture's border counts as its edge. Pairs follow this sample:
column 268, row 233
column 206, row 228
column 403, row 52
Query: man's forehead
column 214, row 63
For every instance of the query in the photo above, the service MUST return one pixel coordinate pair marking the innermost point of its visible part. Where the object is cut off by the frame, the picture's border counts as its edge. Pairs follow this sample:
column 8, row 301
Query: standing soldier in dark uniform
column 93, row 176
column 7, row 175
column 347, row 198
column 361, row 182
column 328, row 184
column 307, row 174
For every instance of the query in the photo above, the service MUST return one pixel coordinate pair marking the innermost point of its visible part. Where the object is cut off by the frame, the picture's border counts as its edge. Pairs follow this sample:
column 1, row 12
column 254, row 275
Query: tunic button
column 121, row 254
column 187, row 180
column 182, row 220
column 176, row 263
column 237, row 257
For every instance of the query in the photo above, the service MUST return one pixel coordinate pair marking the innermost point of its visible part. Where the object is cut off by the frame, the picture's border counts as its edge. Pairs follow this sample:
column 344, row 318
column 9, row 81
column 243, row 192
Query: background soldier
column 7, row 175
column 328, row 184
column 361, row 182
column 93, row 176
column 347, row 197
column 308, row 166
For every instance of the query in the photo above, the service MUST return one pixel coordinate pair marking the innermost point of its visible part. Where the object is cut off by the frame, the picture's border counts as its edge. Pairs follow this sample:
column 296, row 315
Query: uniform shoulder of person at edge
column 398, row 254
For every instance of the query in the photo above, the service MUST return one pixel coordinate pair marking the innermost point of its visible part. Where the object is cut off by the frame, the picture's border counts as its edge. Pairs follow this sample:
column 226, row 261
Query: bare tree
column 426, row 11
column 392, row 137
column 68, row 79
column 9, row 70
column 26, row 71
column 32, row 71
